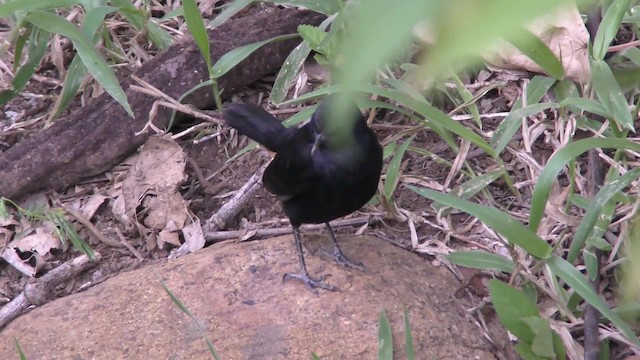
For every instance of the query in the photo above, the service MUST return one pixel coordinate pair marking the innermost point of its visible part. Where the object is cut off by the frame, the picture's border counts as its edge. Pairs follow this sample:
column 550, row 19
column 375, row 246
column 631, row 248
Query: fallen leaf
column 193, row 235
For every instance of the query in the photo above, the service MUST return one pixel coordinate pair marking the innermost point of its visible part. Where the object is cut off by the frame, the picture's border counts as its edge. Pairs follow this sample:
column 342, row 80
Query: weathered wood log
column 96, row 137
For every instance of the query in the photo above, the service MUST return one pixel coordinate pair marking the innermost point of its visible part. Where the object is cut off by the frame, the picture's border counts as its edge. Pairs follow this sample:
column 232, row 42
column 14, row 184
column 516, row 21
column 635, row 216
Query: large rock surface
column 235, row 291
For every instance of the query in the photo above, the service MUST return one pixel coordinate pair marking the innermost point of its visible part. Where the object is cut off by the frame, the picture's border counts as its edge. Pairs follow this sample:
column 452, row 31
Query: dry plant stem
column 216, row 236
column 11, row 257
column 92, row 228
column 235, row 204
column 40, row 291
column 124, row 242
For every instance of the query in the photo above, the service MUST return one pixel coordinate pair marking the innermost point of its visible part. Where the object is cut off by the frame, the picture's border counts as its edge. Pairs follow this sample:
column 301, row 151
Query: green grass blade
column 11, row 7
column 287, row 74
column 610, row 94
column 501, row 222
column 531, row 45
column 196, row 27
column 90, row 57
column 314, row 356
column 142, row 22
column 232, row 9
column 19, row 348
column 393, row 172
column 608, row 28
column 482, row 260
column 469, row 188
column 591, row 216
column 513, row 306
column 235, row 56
column 38, row 42
column 589, row 105
column 408, row 338
column 572, row 277
column 327, row 7
column 385, row 338
column 557, row 162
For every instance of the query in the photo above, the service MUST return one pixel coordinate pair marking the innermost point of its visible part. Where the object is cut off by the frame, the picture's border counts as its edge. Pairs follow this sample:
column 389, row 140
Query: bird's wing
column 290, row 172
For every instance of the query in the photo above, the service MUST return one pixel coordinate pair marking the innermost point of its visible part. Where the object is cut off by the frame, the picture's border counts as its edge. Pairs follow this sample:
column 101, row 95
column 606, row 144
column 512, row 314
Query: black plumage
column 320, row 172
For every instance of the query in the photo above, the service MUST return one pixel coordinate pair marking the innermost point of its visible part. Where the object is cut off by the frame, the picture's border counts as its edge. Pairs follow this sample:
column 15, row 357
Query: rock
column 235, row 292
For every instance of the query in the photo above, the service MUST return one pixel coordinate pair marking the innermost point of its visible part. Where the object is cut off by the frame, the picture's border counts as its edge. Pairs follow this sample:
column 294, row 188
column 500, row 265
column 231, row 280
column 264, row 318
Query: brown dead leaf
column 40, row 243
column 193, row 235
column 92, row 205
column 169, row 237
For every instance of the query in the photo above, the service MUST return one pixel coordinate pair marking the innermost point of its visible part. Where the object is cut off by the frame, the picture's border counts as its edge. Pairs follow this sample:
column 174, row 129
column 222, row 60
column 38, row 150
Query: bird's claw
column 311, row 283
column 342, row 260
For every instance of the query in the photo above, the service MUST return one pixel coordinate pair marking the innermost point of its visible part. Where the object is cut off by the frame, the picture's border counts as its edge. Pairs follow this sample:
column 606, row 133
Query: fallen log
column 98, row 136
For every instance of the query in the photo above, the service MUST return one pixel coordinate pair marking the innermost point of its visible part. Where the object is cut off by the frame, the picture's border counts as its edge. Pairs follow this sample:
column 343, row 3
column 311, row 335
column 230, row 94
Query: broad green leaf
column 327, row 7
column 530, row 45
column 232, row 9
column 594, row 210
column 196, row 27
column 9, row 8
column 610, row 94
column 393, row 172
column 408, row 338
column 288, row 71
column 633, row 54
column 235, row 56
column 313, row 36
column 574, row 279
column 609, row 27
column 557, row 162
column 38, row 42
column 501, row 222
column 481, row 260
column 542, row 344
column 385, row 338
column 537, row 88
column 513, row 307
column 96, row 65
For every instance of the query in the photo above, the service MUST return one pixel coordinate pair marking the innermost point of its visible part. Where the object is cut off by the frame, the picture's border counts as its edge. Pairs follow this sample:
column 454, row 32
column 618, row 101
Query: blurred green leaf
column 609, row 27
column 288, row 71
column 232, row 9
column 19, row 348
column 513, row 307
column 589, row 105
column 633, row 54
column 385, row 338
column 594, row 210
column 610, row 94
column 557, row 162
column 482, row 260
column 96, row 65
column 501, row 222
column 141, row 21
column 468, row 98
column 313, row 36
column 408, row 338
column 542, row 344
column 235, row 56
column 531, row 46
column 572, row 277
column 38, row 41
column 10, row 7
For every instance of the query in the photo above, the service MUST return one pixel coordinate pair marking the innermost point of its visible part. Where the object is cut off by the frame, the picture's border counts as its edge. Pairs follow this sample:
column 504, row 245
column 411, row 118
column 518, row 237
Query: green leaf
column 327, row 7
column 314, row 356
column 11, row 7
column 497, row 220
column 530, row 45
column 38, row 42
column 313, row 36
column 287, row 74
column 90, row 57
column 385, row 338
column 196, row 27
column 594, row 210
column 19, row 348
column 408, row 338
column 589, row 105
column 633, row 54
column 609, row 27
column 513, row 307
column 142, row 22
column 469, row 188
column 235, row 56
column 557, row 162
column 481, row 260
column 232, row 9
column 542, row 344
column 610, row 94
column 572, row 277
column 393, row 172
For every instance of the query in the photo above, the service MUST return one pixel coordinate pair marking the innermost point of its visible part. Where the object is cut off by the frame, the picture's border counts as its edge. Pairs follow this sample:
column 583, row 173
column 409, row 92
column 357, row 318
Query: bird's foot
column 311, row 283
column 342, row 260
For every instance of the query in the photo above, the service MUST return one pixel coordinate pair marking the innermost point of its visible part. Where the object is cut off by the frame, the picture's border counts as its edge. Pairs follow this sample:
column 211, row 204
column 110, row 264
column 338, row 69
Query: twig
column 216, row 236
column 92, row 228
column 129, row 246
column 40, row 291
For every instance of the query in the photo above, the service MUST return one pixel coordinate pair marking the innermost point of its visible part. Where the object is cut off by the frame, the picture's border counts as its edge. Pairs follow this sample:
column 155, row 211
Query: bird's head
column 334, row 123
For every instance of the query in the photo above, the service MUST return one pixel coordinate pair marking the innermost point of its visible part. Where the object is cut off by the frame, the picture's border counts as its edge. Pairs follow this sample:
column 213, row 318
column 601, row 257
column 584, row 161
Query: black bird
column 319, row 173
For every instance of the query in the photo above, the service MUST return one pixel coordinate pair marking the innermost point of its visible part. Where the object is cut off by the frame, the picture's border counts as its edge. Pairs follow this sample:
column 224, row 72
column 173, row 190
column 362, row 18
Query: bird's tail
column 257, row 124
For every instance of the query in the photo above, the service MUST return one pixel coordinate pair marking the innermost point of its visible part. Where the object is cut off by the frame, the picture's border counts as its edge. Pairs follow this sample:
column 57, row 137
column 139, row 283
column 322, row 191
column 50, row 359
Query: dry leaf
column 193, row 235
column 40, row 243
column 92, row 205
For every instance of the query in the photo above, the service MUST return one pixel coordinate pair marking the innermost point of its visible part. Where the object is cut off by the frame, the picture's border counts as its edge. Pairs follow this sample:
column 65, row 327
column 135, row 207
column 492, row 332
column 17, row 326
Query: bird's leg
column 311, row 283
column 337, row 254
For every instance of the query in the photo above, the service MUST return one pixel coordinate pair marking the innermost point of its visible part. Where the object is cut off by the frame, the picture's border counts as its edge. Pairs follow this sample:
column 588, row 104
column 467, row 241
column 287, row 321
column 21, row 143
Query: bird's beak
column 316, row 143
